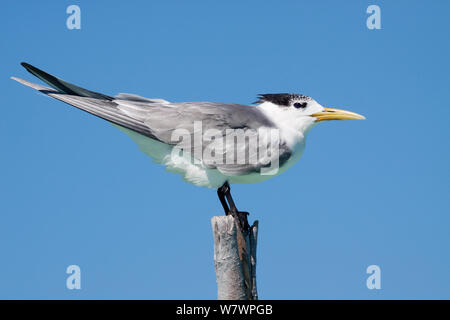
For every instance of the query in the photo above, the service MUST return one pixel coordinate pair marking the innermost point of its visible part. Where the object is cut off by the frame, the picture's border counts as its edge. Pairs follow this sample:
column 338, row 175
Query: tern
column 279, row 123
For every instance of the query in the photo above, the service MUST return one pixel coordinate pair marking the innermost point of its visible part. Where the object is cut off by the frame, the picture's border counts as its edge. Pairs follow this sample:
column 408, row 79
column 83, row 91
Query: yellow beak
column 336, row 114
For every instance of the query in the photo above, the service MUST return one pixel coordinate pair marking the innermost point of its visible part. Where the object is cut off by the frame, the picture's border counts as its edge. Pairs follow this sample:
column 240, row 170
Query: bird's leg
column 224, row 192
column 221, row 194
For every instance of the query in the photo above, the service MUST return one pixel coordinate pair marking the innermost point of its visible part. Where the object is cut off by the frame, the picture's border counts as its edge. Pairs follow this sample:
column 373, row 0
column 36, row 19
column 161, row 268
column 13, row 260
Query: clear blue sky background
column 75, row 190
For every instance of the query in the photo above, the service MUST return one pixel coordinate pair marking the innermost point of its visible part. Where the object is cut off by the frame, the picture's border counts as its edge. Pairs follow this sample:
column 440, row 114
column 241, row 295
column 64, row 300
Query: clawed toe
column 230, row 208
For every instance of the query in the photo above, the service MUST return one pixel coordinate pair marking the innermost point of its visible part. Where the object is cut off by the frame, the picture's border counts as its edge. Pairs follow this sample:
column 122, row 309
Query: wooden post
column 234, row 259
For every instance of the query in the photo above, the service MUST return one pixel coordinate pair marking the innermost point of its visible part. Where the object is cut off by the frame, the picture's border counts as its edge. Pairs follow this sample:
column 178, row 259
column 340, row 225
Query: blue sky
column 75, row 190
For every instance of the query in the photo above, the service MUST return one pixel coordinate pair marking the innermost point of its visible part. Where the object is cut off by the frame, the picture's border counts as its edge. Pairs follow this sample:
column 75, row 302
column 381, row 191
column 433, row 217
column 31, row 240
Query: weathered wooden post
column 234, row 259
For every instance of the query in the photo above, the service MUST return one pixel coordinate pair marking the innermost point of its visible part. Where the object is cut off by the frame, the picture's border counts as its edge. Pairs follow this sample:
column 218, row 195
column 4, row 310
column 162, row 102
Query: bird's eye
column 301, row 105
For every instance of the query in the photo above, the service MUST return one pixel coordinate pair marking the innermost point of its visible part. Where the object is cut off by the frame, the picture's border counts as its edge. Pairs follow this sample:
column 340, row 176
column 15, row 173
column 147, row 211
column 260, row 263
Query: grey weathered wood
column 234, row 259
column 253, row 240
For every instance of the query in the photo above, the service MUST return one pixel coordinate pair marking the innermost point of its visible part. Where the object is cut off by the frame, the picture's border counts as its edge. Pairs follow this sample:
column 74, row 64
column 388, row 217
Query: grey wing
column 164, row 121
column 157, row 118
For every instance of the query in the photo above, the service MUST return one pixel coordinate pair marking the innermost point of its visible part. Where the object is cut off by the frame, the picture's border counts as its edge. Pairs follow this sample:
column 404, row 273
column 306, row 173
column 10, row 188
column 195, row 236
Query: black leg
column 221, row 194
column 224, row 192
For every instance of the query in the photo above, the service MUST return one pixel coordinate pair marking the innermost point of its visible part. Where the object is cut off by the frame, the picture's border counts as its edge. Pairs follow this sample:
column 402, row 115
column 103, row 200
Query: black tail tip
column 33, row 70
column 26, row 65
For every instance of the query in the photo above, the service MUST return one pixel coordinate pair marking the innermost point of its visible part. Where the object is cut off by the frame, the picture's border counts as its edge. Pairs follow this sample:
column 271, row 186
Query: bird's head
column 302, row 110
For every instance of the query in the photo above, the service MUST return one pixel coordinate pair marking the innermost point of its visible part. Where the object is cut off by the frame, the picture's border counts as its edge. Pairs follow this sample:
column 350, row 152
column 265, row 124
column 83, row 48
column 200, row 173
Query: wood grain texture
column 234, row 259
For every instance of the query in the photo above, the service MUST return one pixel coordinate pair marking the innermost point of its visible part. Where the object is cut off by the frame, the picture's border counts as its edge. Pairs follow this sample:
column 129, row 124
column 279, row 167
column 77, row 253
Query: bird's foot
column 242, row 221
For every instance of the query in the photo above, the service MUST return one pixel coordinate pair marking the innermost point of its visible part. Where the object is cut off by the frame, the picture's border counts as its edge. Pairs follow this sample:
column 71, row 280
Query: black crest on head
column 281, row 99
